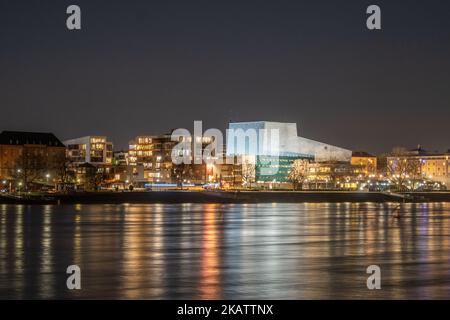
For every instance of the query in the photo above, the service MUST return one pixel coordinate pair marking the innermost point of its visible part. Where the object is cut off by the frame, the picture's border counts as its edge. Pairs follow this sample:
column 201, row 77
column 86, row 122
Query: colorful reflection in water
column 216, row 251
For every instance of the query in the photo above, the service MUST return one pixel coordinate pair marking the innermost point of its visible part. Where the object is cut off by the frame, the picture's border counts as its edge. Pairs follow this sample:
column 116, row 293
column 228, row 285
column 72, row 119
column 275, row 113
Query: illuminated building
column 88, row 154
column 419, row 164
column 120, row 158
column 366, row 161
column 95, row 150
column 332, row 175
column 30, row 158
column 230, row 174
column 198, row 172
column 276, row 146
column 150, row 159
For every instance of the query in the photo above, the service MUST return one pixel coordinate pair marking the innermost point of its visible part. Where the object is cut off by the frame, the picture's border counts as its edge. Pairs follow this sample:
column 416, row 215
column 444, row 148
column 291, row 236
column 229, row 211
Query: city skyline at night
column 224, row 158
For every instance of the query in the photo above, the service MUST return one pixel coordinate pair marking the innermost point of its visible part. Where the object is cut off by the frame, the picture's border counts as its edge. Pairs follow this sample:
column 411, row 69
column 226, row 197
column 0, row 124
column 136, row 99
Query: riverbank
column 225, row 197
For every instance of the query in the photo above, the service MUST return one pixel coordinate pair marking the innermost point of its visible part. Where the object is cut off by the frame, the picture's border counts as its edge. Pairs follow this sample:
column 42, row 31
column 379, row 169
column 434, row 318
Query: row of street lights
column 20, row 183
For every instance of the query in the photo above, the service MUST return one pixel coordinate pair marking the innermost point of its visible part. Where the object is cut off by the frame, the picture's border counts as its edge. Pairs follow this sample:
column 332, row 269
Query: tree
column 403, row 168
column 29, row 167
column 180, row 172
column 248, row 172
column 298, row 173
column 100, row 178
column 414, row 172
column 64, row 170
column 94, row 178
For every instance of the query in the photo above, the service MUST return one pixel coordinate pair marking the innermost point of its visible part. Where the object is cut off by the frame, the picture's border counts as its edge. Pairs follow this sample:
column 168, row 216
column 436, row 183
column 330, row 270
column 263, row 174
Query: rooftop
column 29, row 138
column 362, row 154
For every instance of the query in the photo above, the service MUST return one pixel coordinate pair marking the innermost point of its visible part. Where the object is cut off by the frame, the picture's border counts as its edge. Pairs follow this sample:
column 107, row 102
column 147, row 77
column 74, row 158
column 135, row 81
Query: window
column 98, row 140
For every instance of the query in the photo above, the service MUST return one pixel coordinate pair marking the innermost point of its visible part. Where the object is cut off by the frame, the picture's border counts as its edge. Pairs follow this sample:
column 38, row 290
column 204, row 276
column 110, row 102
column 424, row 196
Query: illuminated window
column 98, row 140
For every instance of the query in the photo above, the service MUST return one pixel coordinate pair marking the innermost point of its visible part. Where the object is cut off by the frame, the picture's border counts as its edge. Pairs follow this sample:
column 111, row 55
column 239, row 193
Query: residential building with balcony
column 88, row 154
column 149, row 158
column 95, row 150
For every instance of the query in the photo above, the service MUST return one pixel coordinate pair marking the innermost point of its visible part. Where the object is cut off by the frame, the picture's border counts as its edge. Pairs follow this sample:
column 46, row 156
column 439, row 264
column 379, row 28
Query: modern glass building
column 274, row 146
column 280, row 167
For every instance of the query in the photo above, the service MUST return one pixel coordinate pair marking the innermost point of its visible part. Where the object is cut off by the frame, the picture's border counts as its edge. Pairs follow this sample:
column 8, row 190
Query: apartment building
column 96, row 150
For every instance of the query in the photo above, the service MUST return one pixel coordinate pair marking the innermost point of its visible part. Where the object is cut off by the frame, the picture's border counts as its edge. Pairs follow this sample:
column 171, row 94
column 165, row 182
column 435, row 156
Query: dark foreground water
column 198, row 251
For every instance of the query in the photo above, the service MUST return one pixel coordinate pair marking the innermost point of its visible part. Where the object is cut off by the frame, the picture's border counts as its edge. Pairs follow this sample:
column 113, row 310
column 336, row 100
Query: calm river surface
column 217, row 251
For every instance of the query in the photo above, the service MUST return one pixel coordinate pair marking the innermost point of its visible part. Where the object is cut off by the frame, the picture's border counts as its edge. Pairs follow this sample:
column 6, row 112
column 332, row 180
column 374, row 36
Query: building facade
column 275, row 146
column 88, row 154
column 150, row 159
column 230, row 174
column 95, row 150
column 418, row 164
column 333, row 175
column 28, row 158
column 366, row 161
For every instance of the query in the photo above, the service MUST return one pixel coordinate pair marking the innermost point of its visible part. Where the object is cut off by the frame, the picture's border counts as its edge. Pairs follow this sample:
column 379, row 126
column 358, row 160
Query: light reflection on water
column 225, row 251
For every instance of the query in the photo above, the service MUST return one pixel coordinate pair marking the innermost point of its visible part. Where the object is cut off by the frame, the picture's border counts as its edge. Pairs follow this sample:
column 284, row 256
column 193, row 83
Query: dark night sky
column 144, row 67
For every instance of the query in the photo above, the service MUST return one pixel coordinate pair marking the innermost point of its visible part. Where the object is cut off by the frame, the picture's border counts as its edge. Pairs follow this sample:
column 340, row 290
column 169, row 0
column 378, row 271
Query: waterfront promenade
column 174, row 196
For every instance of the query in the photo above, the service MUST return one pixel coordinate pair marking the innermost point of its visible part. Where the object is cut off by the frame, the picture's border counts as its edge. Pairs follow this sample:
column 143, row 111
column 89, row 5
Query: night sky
column 145, row 67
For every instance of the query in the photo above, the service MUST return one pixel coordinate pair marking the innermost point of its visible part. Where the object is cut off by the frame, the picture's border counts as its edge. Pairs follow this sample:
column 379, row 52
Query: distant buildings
column 411, row 167
column 30, row 158
column 263, row 155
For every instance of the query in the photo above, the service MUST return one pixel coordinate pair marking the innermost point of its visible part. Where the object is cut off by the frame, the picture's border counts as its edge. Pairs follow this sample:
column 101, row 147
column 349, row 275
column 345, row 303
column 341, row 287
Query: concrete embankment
column 216, row 197
column 224, row 197
column 229, row 197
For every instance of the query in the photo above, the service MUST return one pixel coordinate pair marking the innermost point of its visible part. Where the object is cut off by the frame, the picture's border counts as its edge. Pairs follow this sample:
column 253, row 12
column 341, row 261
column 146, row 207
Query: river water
column 225, row 251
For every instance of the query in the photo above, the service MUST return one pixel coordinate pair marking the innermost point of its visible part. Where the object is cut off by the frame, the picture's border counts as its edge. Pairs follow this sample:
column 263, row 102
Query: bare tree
column 403, row 168
column 94, row 178
column 415, row 172
column 180, row 173
column 298, row 173
column 248, row 173
column 30, row 167
column 64, row 170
